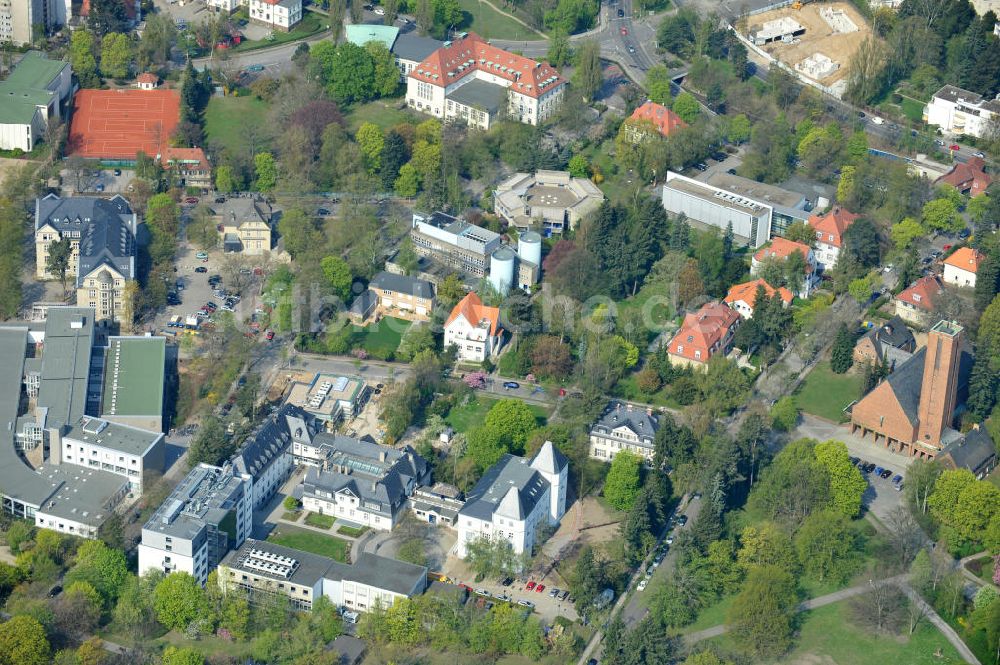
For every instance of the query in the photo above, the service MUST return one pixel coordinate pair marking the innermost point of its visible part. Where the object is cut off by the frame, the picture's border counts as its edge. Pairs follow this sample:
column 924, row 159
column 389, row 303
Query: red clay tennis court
column 116, row 124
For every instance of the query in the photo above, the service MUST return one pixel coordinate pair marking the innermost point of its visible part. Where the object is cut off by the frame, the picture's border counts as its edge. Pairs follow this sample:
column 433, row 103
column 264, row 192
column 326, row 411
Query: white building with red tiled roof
column 961, row 267
column 473, row 329
column 471, row 81
column 280, row 15
column 830, row 229
column 780, row 249
column 703, row 334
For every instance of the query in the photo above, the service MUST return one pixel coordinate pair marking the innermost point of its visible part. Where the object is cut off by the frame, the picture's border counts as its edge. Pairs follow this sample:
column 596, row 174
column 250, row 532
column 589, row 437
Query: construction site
column 816, row 39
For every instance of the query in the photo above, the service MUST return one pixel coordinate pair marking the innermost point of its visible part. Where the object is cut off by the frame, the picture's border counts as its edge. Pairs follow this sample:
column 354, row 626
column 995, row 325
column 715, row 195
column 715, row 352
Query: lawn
column 913, row 109
column 219, row 124
column 628, row 389
column 491, row 24
column 465, row 417
column 353, row 532
column 384, row 113
column 380, row 339
column 310, row 24
column 825, row 394
column 829, row 635
column 319, row 521
column 654, row 304
column 309, row 541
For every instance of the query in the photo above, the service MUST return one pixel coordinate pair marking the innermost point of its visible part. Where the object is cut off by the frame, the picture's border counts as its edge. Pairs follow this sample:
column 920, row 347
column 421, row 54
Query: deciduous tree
column 760, row 619
column 623, row 482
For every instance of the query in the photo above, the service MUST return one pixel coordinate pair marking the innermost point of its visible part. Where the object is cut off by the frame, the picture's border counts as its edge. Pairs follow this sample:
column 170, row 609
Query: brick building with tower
column 912, row 410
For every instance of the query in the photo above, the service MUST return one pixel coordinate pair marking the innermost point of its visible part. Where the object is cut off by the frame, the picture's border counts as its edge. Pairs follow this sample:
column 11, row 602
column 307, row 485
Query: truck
column 191, row 323
column 175, row 321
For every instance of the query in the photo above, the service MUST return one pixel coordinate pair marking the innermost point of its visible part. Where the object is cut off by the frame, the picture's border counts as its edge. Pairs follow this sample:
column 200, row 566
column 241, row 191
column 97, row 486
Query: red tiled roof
column 965, row 258
column 462, row 57
column 147, row 77
column 703, row 331
column 665, row 120
column 188, row 159
column 831, row 226
column 747, row 292
column 782, row 248
column 473, row 310
column 922, row 292
column 968, row 176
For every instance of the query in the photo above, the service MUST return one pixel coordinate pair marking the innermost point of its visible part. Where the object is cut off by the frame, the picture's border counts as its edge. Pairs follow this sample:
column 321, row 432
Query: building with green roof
column 32, row 95
column 363, row 33
column 134, row 379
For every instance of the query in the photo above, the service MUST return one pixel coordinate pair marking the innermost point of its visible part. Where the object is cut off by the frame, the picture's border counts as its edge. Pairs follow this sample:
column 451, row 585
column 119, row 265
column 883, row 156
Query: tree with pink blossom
column 475, row 380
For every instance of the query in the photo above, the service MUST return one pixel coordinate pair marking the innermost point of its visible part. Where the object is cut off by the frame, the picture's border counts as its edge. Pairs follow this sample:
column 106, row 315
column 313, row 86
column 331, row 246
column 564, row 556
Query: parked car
column 980, row 154
column 624, row 31
column 322, row 212
column 564, row 595
column 191, row 200
column 642, row 585
column 621, row 13
column 955, row 147
column 482, row 592
column 886, row 473
column 553, row 592
column 507, row 581
column 897, row 479
column 682, row 520
column 530, row 585
column 269, row 335
column 964, row 233
column 379, row 11
column 511, row 385
column 526, row 603
column 201, row 255
column 540, row 588
column 701, row 166
column 117, row 172
column 201, row 269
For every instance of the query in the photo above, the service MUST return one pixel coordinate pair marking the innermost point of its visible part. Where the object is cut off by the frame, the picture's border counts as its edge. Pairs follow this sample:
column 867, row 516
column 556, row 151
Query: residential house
column 394, row 295
column 190, row 166
column 780, row 249
column 915, row 303
column 262, row 571
column 703, row 334
column 473, row 329
column 33, row 94
column 514, row 498
column 473, row 82
column 209, row 512
column 651, row 119
column 968, row 177
column 974, row 452
column 913, row 409
column 623, row 426
column 245, row 225
column 281, row 15
column 552, row 201
column 102, row 239
column 956, row 111
column 361, row 482
column 830, row 229
column 960, row 268
column 890, row 344
column 743, row 297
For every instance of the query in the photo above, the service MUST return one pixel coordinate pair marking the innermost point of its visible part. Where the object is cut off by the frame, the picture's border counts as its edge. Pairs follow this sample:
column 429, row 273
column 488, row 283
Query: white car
column 642, row 585
column 379, row 11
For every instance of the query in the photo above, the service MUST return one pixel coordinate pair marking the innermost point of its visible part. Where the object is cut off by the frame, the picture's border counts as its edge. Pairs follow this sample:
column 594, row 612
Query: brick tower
column 940, row 382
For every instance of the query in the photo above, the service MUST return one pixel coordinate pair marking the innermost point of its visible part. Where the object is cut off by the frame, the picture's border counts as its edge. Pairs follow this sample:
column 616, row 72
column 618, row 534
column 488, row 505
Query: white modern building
column 122, row 450
column 21, row 20
column 32, row 95
column 956, row 111
column 362, row 483
column 474, row 330
column 961, row 267
column 282, row 15
column 208, row 513
column 549, row 201
column 471, row 81
column 514, row 498
column 623, row 426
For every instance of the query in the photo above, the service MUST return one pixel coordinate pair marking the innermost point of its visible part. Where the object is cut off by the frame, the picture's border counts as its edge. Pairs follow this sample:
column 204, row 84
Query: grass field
column 465, row 417
column 913, row 109
column 219, row 125
column 380, row 339
column 491, row 24
column 308, row 541
column 319, row 521
column 352, row 531
column 825, row 394
column 382, row 113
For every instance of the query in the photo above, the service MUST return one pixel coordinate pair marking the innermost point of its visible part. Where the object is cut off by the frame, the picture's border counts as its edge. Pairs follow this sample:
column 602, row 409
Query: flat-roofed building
column 553, row 201
column 711, row 206
column 136, row 454
column 957, row 111
column 787, row 206
column 33, row 94
column 454, row 242
column 134, row 381
column 209, row 512
column 328, row 398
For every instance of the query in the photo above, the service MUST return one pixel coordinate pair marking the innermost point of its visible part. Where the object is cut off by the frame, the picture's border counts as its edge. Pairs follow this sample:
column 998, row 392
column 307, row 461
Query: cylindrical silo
column 529, row 247
column 502, row 269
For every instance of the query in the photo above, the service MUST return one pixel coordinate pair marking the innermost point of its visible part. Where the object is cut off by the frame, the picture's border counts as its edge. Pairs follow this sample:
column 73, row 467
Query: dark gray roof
column 381, row 477
column 894, row 333
column 418, row 288
column 409, row 46
column 105, row 228
column 906, row 381
column 973, row 451
column 638, row 419
column 510, row 472
column 66, row 360
column 364, row 303
column 480, row 95
column 384, row 573
column 273, row 438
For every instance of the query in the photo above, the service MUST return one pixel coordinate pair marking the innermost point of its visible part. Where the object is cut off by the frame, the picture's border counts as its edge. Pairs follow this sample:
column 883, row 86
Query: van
column 351, row 617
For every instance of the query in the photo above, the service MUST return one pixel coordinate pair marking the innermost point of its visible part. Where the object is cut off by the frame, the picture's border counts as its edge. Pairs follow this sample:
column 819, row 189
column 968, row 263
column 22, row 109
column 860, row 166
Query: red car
column 192, row 200
column 946, row 248
column 269, row 335
column 540, row 588
column 530, row 586
column 955, row 147
column 624, row 31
